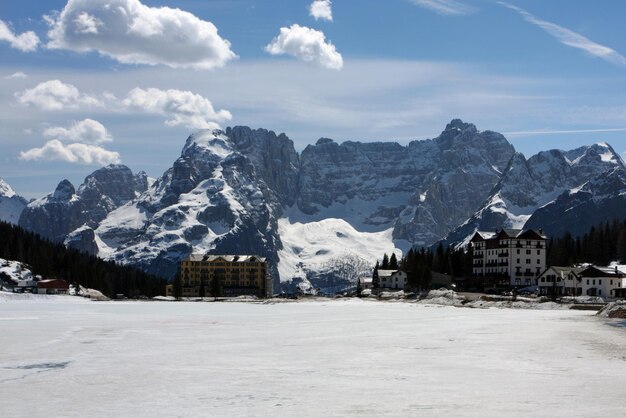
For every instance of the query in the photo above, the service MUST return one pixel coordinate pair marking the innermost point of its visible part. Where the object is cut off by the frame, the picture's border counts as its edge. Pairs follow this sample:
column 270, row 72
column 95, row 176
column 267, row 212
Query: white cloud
column 87, row 24
column 55, row 150
column 25, row 42
column 86, row 131
column 181, row 107
column 132, row 33
column 306, row 44
column 321, row 9
column 56, row 95
column 571, row 38
column 16, row 75
column 444, row 7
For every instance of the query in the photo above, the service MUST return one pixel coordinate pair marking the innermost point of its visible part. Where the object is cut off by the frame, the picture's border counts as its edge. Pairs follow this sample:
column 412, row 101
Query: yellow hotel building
column 236, row 275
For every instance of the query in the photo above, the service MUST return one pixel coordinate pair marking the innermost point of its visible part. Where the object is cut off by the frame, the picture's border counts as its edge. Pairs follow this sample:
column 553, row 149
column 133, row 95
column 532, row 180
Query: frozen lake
column 69, row 357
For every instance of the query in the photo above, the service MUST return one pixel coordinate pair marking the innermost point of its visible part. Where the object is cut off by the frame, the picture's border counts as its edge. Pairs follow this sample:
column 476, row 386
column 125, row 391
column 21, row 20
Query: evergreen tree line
column 54, row 260
column 603, row 243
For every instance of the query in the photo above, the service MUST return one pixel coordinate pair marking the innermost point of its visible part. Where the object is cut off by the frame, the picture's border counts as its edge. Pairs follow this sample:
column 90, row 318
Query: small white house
column 365, row 282
column 392, row 279
column 605, row 282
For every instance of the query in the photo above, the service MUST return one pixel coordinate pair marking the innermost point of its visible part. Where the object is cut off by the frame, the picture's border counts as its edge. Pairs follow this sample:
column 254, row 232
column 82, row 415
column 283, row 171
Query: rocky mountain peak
column 64, row 191
column 11, row 204
column 5, row 189
column 324, row 141
column 457, row 125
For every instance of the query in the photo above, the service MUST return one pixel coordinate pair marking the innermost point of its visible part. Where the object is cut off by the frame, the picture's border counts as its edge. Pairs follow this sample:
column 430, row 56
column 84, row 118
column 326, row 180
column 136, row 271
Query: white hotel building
column 509, row 257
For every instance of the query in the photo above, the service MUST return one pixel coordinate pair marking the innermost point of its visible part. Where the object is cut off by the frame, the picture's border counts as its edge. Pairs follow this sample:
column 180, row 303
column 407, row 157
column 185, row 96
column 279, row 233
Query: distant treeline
column 603, row 243
column 53, row 260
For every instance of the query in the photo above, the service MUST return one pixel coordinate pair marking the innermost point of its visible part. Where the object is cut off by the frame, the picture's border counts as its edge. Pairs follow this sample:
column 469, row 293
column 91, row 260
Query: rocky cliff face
column 422, row 190
column 11, row 205
column 528, row 185
column 577, row 210
column 59, row 214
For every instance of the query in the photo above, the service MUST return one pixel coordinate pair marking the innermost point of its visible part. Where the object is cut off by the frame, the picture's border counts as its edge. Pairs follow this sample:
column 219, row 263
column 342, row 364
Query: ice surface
column 73, row 358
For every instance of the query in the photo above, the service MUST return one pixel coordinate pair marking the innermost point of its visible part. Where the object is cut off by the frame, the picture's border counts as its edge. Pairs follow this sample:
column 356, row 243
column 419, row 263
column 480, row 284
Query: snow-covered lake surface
column 71, row 357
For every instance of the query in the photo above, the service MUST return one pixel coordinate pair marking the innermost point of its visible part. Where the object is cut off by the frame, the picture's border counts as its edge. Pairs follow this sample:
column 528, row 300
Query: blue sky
column 89, row 86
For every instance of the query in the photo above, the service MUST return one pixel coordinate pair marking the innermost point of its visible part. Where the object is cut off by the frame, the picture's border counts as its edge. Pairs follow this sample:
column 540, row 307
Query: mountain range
column 246, row 190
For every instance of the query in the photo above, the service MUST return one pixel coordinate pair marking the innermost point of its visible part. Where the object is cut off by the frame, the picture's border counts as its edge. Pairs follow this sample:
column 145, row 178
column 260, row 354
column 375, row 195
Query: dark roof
column 227, row 258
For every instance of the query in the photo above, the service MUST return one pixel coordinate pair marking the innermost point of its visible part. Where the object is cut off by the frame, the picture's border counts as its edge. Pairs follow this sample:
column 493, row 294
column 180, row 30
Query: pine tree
column 375, row 281
column 385, row 264
column 393, row 262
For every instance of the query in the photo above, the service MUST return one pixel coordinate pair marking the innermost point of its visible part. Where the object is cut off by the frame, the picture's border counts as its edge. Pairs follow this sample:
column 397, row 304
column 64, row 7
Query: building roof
column 50, row 283
column 228, row 258
column 509, row 233
column 387, row 273
column 596, row 271
column 482, row 235
column 564, row 270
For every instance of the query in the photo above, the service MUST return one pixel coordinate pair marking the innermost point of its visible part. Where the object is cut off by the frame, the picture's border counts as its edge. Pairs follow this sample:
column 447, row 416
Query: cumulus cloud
column 86, row 131
column 55, row 150
column 56, row 95
column 133, row 33
column 306, row 44
column 321, row 9
column 16, row 75
column 180, row 107
column 25, row 42
column 444, row 7
column 571, row 38
column 183, row 108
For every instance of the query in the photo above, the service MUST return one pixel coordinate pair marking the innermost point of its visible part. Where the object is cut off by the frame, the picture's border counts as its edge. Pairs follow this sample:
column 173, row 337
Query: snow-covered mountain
column 577, row 210
column 247, row 190
column 69, row 216
column 527, row 185
column 11, row 205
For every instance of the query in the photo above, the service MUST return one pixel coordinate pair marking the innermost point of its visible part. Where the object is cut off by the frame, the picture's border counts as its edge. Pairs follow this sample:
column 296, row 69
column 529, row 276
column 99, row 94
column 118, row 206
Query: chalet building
column 392, row 279
column 508, row 258
column 53, row 287
column 561, row 281
column 225, row 275
column 606, row 282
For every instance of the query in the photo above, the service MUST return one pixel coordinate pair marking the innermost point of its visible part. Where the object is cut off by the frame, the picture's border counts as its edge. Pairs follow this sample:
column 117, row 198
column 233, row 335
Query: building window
column 518, row 251
column 518, row 261
column 528, row 261
column 538, row 252
column 528, row 252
